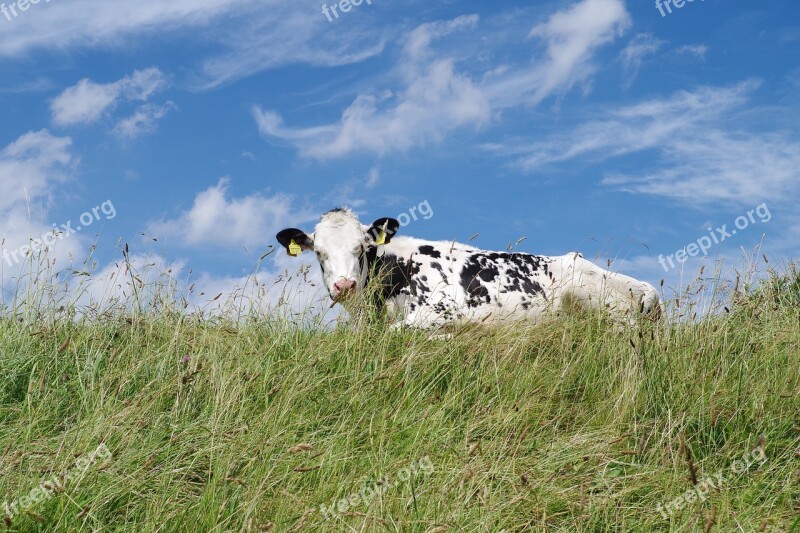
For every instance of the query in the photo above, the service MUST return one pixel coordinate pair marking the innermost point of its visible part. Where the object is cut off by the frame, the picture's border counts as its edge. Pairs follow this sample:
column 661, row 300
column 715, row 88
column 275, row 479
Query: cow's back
column 452, row 281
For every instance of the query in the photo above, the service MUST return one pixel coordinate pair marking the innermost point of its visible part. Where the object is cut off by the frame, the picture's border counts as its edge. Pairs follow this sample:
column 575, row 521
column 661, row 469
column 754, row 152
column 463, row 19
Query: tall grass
column 252, row 420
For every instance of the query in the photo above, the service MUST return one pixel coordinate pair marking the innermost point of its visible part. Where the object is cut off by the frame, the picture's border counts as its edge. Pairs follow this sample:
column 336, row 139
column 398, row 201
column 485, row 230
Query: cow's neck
column 395, row 263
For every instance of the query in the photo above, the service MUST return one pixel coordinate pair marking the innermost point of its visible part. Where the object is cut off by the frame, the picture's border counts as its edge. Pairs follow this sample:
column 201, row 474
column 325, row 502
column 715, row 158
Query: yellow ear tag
column 294, row 249
column 381, row 238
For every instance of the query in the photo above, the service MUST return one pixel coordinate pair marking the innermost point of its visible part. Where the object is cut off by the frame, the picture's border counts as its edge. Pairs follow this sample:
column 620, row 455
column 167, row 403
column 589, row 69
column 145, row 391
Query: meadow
column 277, row 424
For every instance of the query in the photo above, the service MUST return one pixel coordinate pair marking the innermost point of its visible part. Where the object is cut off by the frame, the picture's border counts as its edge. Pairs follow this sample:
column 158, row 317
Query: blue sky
column 600, row 126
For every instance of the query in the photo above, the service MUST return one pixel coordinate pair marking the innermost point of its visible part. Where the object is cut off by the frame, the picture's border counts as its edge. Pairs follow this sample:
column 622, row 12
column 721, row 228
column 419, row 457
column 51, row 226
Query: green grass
column 567, row 426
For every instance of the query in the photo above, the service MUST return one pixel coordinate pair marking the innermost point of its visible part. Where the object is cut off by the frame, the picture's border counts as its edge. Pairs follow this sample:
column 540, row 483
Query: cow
column 432, row 284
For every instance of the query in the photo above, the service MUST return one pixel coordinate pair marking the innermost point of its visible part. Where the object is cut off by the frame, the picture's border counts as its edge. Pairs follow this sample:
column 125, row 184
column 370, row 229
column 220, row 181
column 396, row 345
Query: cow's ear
column 295, row 241
column 383, row 229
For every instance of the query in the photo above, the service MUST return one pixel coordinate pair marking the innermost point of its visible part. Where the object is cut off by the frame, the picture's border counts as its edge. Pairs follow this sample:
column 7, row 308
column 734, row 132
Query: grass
column 251, row 425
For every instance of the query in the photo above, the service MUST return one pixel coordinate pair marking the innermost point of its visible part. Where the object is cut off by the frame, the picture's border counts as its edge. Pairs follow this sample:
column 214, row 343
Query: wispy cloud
column 699, row 153
column 437, row 97
column 571, row 37
column 632, row 56
column 638, row 127
column 142, row 121
column 697, row 50
column 712, row 165
column 27, row 85
column 88, row 101
column 280, row 33
column 57, row 26
column 240, row 37
column 373, row 178
column 217, row 219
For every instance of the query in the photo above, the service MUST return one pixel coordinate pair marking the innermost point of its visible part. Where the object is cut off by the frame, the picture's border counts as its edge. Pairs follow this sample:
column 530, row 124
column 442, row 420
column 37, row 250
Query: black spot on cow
column 396, row 275
column 421, row 283
column 489, row 273
column 531, row 287
column 430, row 251
column 471, row 276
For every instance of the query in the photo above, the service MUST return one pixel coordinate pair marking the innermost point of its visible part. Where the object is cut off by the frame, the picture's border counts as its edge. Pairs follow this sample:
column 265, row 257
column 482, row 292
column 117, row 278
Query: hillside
column 167, row 422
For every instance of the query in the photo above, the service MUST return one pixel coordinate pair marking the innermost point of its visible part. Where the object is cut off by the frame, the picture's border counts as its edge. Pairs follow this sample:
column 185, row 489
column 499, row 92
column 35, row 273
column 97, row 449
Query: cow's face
column 342, row 245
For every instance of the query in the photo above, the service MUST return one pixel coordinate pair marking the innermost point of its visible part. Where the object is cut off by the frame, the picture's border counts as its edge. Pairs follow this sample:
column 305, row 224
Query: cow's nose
column 344, row 285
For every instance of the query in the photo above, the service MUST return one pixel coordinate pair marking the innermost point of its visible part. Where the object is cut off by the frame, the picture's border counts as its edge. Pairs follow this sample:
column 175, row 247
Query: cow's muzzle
column 342, row 288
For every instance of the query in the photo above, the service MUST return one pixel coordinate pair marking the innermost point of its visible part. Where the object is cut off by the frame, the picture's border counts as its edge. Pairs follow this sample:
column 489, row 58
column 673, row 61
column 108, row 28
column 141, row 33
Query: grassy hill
column 263, row 426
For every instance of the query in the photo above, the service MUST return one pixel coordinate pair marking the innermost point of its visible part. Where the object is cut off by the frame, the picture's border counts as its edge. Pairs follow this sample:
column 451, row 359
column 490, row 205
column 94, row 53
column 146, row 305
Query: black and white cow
column 428, row 284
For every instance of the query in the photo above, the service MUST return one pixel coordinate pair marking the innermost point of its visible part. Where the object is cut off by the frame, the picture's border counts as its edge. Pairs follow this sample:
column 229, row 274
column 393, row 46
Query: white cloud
column 638, row 127
column 244, row 36
column 641, row 46
column 279, row 33
column 97, row 23
column 287, row 287
column 87, row 101
column 419, row 40
column 142, row 121
column 700, row 154
column 697, row 50
column 707, row 166
column 30, row 168
column 84, row 103
column 571, row 38
column 373, row 178
column 216, row 219
column 30, row 165
column 436, row 99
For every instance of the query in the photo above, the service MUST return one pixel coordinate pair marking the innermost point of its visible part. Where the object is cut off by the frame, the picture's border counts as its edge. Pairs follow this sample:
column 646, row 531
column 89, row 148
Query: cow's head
column 343, row 246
